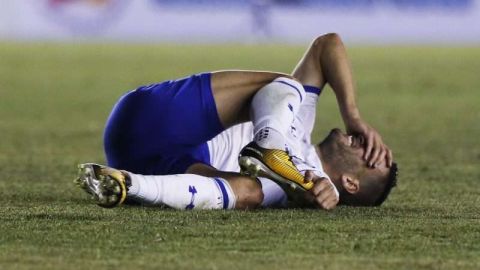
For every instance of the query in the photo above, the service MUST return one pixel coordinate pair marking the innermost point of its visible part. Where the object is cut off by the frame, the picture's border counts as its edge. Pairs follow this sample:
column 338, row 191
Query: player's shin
column 182, row 191
column 273, row 110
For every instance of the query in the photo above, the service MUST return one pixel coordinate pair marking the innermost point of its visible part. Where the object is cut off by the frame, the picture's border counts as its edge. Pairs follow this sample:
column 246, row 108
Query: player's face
column 351, row 147
column 349, row 150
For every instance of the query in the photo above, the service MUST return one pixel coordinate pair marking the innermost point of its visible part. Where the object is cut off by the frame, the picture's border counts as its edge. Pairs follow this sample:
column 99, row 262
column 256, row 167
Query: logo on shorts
column 84, row 16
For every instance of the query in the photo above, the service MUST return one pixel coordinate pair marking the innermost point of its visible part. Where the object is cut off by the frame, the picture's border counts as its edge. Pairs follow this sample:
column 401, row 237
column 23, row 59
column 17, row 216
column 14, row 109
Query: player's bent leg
column 110, row 187
column 248, row 191
column 182, row 191
column 273, row 109
column 233, row 92
column 258, row 158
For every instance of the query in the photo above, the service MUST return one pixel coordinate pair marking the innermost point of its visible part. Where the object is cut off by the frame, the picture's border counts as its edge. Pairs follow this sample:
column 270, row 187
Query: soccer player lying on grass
column 183, row 143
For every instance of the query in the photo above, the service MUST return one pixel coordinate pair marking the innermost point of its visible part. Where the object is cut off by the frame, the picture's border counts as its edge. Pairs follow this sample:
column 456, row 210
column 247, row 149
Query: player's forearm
column 337, row 72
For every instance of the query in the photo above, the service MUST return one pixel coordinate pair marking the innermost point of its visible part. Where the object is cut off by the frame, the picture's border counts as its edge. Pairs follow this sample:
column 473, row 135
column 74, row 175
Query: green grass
column 54, row 100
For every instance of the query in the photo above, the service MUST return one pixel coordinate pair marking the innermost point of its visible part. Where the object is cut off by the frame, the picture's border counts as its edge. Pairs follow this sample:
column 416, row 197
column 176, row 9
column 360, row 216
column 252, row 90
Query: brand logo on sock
column 192, row 190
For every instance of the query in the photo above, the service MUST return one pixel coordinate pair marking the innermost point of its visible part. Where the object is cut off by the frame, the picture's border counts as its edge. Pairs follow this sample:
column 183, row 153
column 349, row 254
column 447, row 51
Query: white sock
column 273, row 194
column 182, row 191
column 273, row 109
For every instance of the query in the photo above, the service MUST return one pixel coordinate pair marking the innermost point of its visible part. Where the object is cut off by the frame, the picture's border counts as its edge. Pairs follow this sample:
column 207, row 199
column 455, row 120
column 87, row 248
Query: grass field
column 54, row 100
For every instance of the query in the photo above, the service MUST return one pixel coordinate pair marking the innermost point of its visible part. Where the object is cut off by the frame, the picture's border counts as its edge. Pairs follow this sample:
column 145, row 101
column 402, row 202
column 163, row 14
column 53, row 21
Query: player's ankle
column 128, row 179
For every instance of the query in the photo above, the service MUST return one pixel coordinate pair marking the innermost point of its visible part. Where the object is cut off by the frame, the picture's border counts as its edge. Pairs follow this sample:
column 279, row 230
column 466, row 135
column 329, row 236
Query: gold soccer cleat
column 271, row 163
column 107, row 186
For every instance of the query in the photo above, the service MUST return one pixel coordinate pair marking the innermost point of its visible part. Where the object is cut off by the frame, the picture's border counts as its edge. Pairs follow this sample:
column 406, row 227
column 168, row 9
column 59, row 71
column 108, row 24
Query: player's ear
column 350, row 183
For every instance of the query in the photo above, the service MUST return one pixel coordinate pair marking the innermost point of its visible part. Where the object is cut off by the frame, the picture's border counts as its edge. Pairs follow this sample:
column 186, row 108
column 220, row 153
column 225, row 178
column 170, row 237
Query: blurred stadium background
column 207, row 21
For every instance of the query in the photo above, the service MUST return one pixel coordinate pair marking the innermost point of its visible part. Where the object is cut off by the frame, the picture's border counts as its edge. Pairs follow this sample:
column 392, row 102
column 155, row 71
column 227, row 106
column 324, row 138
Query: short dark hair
column 391, row 182
column 369, row 197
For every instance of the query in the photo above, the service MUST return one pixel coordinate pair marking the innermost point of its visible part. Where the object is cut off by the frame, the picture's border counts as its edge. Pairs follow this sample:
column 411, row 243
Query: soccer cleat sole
column 253, row 167
column 105, row 190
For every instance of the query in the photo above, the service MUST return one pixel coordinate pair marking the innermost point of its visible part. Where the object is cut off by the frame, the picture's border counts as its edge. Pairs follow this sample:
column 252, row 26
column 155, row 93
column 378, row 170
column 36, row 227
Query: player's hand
column 375, row 149
column 323, row 194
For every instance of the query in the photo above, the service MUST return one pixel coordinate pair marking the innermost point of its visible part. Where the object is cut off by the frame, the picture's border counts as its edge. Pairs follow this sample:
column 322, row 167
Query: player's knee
column 333, row 38
column 328, row 39
column 286, row 88
column 248, row 192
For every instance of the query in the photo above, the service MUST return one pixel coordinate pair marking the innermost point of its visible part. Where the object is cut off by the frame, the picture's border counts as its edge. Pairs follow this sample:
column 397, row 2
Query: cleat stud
column 244, row 161
column 110, row 183
column 253, row 169
column 113, row 199
column 80, row 183
column 103, row 200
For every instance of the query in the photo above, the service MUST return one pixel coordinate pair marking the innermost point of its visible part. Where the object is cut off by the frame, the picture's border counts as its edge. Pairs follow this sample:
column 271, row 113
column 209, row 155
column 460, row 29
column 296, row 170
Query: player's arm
column 323, row 195
column 326, row 61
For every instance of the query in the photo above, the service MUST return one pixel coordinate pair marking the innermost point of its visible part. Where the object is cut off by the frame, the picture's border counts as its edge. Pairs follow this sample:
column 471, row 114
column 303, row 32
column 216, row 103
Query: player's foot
column 271, row 163
column 107, row 186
